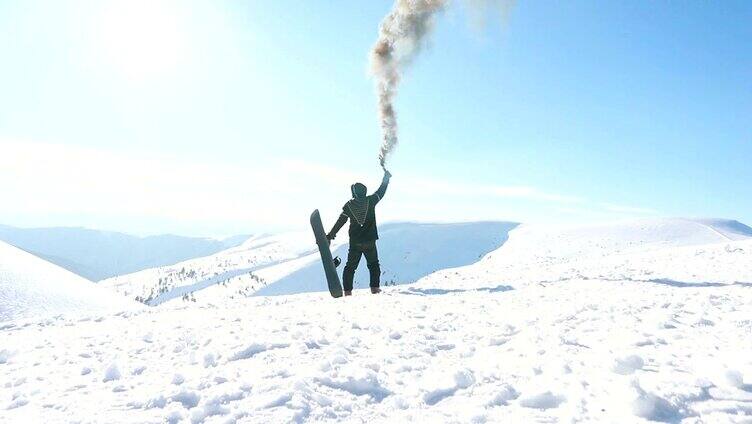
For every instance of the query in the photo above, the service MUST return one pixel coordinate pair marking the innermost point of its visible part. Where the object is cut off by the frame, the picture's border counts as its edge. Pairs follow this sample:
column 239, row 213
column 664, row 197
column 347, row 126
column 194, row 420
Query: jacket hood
column 358, row 190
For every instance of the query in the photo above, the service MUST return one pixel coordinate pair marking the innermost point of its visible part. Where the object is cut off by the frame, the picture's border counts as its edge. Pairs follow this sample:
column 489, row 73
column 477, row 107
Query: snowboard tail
column 330, row 269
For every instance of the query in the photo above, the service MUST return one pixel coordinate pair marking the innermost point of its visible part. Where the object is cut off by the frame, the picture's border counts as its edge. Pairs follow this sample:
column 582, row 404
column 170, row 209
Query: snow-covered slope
column 638, row 322
column 96, row 255
column 640, row 235
column 186, row 280
column 543, row 254
column 31, row 287
column 289, row 263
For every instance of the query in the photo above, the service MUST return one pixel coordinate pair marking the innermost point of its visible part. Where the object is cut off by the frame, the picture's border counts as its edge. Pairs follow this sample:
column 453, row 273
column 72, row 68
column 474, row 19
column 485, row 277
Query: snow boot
column 375, row 290
column 348, row 292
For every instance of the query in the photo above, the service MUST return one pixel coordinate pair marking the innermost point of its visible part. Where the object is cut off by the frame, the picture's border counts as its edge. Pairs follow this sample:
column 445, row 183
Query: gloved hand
column 387, row 175
column 330, row 237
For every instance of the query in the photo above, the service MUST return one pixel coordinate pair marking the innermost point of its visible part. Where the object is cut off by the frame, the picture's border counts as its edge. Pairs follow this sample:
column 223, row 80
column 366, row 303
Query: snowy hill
column 31, row 287
column 189, row 278
column 289, row 263
column 96, row 255
column 636, row 322
column 546, row 254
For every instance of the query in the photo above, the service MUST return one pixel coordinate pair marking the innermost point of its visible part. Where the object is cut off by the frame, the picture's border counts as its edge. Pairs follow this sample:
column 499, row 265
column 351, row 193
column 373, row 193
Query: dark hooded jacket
column 361, row 211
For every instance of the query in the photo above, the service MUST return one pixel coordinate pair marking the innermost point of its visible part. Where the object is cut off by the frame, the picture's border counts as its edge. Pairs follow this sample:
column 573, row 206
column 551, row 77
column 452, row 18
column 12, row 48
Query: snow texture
column 638, row 322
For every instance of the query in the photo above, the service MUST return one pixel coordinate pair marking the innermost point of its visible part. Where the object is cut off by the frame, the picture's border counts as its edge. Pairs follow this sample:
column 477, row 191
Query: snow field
column 607, row 351
column 639, row 322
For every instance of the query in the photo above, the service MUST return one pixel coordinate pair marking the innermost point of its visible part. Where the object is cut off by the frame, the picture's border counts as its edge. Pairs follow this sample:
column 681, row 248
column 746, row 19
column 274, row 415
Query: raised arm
column 337, row 226
column 384, row 184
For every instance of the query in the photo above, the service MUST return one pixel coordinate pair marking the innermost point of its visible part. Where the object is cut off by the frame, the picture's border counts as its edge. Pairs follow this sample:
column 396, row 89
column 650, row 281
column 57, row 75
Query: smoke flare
column 401, row 36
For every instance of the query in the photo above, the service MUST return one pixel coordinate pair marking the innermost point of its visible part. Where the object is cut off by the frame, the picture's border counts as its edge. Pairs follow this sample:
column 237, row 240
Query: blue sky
column 211, row 118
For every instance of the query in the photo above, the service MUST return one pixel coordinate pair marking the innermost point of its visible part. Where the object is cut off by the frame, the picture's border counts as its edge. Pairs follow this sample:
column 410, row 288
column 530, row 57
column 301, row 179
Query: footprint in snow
column 704, row 322
column 112, row 373
column 461, row 380
column 445, row 346
column 505, row 394
column 497, row 341
column 628, row 364
column 544, row 400
column 178, row 379
column 255, row 349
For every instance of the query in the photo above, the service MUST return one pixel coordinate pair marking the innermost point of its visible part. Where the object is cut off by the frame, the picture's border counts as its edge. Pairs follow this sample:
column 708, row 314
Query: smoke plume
column 402, row 34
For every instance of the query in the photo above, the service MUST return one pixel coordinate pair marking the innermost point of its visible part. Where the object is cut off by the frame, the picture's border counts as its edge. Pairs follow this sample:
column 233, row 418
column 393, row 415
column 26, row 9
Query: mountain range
column 96, row 255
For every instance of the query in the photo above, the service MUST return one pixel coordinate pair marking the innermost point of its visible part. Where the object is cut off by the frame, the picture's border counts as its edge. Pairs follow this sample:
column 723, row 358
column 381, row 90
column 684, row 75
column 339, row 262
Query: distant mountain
column 96, row 255
column 30, row 287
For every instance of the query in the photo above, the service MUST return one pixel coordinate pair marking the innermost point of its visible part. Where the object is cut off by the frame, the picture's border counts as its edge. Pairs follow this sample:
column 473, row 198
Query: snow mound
column 623, row 237
column 711, row 252
column 31, row 287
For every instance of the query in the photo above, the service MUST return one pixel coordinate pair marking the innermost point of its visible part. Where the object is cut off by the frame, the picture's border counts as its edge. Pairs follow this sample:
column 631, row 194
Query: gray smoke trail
column 401, row 36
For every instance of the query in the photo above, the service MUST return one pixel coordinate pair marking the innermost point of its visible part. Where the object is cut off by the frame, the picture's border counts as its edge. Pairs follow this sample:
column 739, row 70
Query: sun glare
column 142, row 39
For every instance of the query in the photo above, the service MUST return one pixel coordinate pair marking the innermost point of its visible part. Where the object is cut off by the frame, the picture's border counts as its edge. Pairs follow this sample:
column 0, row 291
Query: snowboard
column 330, row 270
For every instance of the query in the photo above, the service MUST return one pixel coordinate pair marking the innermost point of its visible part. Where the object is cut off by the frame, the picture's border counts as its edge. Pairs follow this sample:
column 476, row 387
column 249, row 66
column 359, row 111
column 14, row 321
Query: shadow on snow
column 437, row 292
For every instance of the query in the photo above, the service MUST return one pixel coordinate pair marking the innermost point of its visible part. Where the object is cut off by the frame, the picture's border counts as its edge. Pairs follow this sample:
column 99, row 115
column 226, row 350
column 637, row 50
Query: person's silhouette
column 361, row 211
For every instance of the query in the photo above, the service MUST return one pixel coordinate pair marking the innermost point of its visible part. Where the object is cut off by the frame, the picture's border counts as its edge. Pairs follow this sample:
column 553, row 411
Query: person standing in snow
column 361, row 211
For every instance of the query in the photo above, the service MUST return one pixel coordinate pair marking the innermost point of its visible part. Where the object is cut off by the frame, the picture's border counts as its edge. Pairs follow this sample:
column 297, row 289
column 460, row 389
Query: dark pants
column 353, row 259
